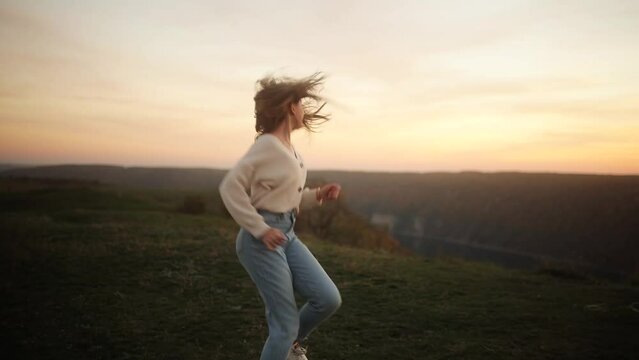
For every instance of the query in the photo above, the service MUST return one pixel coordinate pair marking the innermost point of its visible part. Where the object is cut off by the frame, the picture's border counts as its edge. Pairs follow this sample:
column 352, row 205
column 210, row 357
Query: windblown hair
column 276, row 94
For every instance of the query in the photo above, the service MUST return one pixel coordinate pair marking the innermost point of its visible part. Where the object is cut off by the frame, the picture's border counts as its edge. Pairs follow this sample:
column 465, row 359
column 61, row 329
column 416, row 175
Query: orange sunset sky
column 412, row 85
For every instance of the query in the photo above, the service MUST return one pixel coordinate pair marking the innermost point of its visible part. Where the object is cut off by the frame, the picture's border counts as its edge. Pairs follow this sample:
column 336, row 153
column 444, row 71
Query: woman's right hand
column 272, row 238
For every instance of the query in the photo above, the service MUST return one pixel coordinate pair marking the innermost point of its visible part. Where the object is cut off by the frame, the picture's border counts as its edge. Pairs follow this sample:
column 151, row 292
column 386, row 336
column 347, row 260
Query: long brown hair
column 276, row 94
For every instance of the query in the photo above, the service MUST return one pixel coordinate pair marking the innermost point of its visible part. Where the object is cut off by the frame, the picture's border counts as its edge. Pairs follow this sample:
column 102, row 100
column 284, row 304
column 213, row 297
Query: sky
column 419, row 86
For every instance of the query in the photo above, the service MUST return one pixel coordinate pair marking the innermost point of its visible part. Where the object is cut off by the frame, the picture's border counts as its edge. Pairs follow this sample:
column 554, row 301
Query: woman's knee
column 338, row 300
column 332, row 301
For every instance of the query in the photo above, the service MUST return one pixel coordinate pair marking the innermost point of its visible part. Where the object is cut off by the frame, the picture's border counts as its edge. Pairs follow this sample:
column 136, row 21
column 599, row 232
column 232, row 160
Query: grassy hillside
column 104, row 273
column 588, row 220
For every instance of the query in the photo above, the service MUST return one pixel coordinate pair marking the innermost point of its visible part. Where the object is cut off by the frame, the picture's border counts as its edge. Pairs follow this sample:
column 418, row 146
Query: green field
column 104, row 273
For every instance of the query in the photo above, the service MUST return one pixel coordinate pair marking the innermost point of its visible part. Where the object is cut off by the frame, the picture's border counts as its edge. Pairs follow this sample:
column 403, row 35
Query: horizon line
column 16, row 164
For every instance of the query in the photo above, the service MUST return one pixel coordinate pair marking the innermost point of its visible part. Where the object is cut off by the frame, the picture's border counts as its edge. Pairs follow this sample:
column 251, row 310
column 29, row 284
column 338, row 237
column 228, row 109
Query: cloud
column 472, row 89
column 621, row 109
column 576, row 139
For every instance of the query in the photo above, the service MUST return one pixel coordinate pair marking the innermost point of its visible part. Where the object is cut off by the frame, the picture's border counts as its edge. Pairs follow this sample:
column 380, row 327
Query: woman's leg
column 271, row 274
column 314, row 284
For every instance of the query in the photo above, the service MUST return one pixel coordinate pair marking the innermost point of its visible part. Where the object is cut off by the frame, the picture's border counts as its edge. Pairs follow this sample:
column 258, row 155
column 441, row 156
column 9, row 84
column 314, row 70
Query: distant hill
column 586, row 219
column 12, row 166
column 136, row 177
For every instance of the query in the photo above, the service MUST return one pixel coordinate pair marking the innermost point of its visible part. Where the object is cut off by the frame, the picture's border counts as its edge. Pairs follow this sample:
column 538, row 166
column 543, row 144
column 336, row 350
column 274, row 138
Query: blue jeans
column 277, row 273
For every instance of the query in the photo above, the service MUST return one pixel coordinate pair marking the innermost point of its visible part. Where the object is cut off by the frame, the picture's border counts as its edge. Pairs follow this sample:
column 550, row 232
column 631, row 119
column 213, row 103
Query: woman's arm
column 316, row 196
column 234, row 191
column 310, row 199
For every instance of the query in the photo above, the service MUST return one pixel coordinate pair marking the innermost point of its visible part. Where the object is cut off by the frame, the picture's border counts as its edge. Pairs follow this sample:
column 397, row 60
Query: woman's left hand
column 330, row 191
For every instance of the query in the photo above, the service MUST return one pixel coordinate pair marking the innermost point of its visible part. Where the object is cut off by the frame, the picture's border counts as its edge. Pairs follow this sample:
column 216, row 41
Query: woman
column 263, row 193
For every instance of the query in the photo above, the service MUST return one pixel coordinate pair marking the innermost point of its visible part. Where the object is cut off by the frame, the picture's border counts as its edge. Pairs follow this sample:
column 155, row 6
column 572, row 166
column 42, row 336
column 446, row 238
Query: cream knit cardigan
column 269, row 176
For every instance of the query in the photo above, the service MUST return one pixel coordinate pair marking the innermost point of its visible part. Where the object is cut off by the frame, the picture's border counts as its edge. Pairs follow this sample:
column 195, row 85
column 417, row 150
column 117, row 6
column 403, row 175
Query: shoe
column 297, row 352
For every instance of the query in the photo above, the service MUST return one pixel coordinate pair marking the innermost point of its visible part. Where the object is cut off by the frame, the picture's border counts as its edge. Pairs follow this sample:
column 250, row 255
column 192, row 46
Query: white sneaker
column 297, row 352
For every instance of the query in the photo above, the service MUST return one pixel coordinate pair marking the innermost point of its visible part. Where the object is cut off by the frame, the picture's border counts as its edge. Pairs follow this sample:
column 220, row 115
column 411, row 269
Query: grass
column 126, row 277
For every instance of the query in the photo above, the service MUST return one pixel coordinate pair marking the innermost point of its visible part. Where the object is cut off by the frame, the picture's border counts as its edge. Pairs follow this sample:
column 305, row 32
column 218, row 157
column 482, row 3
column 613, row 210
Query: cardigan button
column 302, row 165
column 299, row 189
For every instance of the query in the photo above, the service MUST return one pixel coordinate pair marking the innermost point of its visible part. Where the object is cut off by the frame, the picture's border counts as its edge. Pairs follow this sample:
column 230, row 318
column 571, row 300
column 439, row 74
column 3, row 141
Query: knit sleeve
column 309, row 199
column 235, row 188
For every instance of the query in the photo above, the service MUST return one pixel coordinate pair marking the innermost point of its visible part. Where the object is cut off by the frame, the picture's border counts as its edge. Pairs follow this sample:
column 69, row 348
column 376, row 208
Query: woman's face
column 297, row 118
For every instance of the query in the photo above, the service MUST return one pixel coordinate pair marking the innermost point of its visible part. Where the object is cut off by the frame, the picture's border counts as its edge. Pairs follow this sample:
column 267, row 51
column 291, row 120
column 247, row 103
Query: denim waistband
column 278, row 217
